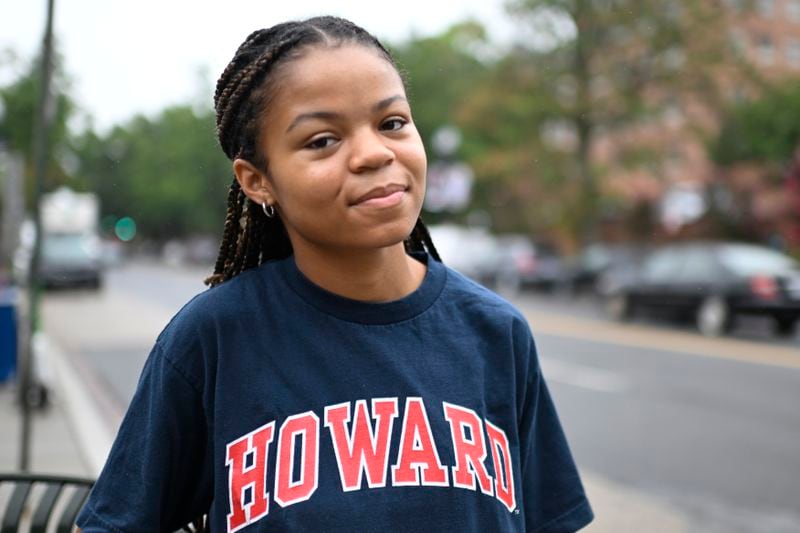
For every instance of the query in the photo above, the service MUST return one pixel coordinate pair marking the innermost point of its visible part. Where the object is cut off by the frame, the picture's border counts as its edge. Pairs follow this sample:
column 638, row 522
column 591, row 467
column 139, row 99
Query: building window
column 738, row 41
column 737, row 95
column 734, row 5
column 765, row 49
column 766, row 8
column 672, row 113
column 793, row 53
column 793, row 10
column 673, row 10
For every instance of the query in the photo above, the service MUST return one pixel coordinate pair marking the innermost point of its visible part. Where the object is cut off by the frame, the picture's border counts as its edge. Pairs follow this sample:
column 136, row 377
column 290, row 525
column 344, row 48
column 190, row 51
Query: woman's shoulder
column 473, row 312
column 216, row 307
column 471, row 297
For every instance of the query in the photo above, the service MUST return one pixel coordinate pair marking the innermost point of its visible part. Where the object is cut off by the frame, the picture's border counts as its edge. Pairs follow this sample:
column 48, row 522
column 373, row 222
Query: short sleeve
column 156, row 477
column 553, row 498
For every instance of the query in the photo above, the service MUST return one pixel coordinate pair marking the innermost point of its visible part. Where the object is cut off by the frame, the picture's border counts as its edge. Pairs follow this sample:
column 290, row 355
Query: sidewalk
column 54, row 448
column 69, row 436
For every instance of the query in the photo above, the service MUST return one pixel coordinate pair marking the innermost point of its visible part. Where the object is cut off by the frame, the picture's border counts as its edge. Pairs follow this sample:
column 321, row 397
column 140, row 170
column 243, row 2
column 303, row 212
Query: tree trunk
column 583, row 119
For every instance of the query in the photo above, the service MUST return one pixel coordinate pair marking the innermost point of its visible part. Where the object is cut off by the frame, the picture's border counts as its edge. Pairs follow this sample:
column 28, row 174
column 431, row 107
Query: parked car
column 714, row 282
column 470, row 251
column 66, row 260
column 586, row 273
column 71, row 260
column 523, row 263
column 199, row 250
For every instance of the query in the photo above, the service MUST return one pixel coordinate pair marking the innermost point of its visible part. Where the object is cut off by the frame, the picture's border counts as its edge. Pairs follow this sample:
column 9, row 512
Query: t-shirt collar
column 367, row 312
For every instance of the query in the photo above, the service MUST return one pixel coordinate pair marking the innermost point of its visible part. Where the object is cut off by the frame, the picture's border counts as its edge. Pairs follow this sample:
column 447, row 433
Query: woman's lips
column 381, row 197
column 389, row 200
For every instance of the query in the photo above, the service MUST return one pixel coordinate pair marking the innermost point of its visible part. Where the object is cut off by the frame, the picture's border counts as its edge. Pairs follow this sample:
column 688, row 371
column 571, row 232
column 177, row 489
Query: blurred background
column 626, row 172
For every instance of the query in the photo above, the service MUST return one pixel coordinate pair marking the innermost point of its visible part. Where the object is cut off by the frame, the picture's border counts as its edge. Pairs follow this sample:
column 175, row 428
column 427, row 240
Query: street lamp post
column 44, row 115
column 449, row 186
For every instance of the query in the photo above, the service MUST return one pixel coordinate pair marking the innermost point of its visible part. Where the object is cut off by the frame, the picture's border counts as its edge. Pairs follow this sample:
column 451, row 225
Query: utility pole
column 44, row 116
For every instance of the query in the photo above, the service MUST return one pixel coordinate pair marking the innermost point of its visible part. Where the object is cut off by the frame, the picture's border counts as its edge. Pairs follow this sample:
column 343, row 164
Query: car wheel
column 713, row 316
column 619, row 306
column 784, row 325
column 38, row 396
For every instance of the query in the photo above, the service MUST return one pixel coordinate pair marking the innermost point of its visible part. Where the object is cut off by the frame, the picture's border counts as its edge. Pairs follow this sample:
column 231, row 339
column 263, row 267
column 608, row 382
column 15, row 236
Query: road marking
column 585, row 377
column 639, row 336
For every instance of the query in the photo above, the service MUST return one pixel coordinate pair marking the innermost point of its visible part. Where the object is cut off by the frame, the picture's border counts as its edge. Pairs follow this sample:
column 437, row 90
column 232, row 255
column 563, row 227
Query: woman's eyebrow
column 331, row 115
column 322, row 115
column 386, row 102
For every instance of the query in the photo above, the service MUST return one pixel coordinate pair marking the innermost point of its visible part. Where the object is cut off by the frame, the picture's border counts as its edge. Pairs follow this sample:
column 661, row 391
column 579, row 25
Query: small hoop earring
column 269, row 210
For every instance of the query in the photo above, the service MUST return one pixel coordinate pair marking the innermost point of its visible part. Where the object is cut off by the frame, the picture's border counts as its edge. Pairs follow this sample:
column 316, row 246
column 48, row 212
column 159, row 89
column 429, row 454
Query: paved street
column 708, row 425
column 701, row 433
column 716, row 438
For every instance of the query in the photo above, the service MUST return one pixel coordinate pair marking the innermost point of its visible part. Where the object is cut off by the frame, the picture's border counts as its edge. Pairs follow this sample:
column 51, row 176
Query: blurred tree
column 19, row 100
column 612, row 64
column 758, row 151
column 166, row 172
column 503, row 117
column 441, row 73
column 764, row 130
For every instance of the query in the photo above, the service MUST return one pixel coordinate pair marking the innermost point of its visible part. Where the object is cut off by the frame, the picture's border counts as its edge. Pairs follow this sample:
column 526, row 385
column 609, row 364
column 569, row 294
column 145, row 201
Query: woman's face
column 345, row 163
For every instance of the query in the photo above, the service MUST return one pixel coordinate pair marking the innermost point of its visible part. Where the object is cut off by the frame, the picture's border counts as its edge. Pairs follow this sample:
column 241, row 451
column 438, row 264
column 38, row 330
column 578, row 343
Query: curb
column 619, row 509
column 86, row 419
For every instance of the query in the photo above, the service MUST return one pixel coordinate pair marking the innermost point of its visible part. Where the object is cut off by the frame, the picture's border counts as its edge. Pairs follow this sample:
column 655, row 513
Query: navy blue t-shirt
column 275, row 405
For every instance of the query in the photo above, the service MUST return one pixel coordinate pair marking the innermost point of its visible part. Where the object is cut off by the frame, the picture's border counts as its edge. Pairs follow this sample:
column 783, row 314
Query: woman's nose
column 369, row 152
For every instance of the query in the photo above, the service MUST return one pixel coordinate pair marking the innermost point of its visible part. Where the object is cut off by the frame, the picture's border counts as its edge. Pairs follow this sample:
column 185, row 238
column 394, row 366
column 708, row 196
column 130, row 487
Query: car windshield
column 751, row 260
column 597, row 257
column 69, row 248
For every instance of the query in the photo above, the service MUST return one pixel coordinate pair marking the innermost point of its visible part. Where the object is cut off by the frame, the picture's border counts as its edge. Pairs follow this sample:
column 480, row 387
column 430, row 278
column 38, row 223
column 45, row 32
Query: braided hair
column 243, row 93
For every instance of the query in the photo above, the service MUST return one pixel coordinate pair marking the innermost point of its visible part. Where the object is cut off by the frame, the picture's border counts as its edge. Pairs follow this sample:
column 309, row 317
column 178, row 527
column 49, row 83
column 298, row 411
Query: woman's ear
column 254, row 182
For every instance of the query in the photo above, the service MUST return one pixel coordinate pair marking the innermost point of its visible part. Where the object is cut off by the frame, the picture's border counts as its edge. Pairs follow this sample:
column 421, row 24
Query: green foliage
column 612, row 63
column 766, row 130
column 609, row 63
column 167, row 173
column 441, row 72
column 503, row 118
column 607, row 55
column 20, row 100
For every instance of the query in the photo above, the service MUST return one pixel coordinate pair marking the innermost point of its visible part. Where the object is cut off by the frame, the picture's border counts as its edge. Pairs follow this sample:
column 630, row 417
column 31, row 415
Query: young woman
column 337, row 376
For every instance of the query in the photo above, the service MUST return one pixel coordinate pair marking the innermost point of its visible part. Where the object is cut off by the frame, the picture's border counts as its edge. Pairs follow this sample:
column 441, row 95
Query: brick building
column 764, row 38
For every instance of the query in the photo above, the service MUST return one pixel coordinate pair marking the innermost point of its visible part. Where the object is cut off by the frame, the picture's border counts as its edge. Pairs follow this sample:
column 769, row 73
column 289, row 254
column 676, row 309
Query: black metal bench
column 57, row 502
column 38, row 502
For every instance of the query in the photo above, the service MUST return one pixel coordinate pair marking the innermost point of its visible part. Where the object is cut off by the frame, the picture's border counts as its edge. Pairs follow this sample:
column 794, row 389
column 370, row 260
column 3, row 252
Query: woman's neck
column 381, row 275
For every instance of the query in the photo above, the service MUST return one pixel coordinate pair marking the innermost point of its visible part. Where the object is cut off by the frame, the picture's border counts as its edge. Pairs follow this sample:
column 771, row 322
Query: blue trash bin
column 8, row 333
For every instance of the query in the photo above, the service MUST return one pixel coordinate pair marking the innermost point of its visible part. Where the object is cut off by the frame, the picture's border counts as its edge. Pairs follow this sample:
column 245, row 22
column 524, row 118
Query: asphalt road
column 717, row 438
column 712, row 427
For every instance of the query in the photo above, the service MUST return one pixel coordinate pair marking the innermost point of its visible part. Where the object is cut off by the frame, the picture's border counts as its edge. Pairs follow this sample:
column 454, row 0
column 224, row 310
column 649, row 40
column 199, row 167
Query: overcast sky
column 132, row 56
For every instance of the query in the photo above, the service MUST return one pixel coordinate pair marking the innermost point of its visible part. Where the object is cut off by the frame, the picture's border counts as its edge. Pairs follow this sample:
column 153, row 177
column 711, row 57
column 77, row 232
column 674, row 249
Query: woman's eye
column 320, row 143
column 393, row 124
